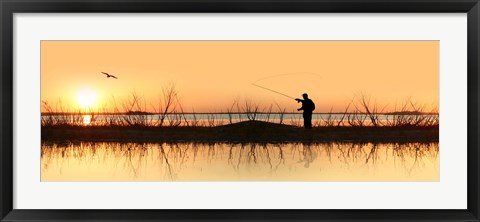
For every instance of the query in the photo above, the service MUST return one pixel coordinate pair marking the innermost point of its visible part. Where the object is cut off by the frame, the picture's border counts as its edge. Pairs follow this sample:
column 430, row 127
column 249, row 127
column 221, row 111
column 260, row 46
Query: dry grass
column 168, row 112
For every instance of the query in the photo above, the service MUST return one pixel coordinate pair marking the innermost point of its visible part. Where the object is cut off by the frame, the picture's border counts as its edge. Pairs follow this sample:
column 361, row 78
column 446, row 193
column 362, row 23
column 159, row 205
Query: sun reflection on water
column 87, row 119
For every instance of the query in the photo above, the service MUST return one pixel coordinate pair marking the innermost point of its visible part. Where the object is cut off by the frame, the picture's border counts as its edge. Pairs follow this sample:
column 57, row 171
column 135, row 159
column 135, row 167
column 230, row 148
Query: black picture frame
column 9, row 7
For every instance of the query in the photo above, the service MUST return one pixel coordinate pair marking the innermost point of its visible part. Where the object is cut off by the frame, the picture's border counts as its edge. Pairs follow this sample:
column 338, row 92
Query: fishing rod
column 271, row 90
column 283, row 74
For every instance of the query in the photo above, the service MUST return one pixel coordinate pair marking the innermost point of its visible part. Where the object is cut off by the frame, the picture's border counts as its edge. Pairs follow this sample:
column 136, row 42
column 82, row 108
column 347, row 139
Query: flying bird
column 108, row 75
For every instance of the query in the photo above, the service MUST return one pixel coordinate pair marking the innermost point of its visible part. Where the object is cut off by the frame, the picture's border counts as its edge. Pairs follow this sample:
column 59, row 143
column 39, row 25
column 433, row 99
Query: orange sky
column 210, row 75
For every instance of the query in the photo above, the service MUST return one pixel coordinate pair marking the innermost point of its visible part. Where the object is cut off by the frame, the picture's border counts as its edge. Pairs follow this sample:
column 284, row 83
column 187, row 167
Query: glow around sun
column 86, row 98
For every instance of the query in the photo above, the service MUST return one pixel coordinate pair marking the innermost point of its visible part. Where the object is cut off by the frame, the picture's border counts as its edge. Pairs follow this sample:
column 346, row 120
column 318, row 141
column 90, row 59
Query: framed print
column 232, row 110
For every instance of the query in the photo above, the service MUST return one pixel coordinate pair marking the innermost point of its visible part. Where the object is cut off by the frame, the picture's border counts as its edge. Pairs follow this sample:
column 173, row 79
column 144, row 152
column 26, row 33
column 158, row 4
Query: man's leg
column 308, row 121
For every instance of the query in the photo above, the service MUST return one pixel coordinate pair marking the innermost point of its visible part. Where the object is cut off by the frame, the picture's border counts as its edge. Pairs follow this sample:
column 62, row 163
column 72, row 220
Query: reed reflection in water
column 94, row 161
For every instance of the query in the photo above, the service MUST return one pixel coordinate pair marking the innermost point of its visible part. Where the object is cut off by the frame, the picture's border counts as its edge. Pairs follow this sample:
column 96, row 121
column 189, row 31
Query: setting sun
column 225, row 70
column 86, row 98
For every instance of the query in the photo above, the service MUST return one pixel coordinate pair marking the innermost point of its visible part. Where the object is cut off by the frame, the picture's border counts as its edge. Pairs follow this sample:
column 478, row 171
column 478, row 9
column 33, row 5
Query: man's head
column 305, row 96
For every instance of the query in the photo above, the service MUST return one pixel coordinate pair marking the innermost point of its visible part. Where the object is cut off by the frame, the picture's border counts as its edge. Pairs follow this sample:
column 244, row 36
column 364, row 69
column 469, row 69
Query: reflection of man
column 307, row 106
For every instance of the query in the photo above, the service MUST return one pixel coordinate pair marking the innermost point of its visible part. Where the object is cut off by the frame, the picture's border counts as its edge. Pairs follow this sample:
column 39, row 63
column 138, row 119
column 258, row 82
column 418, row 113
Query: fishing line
column 289, row 74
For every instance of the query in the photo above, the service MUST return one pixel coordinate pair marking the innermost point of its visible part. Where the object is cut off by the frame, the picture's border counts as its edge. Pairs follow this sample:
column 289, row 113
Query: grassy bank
column 133, row 111
column 248, row 131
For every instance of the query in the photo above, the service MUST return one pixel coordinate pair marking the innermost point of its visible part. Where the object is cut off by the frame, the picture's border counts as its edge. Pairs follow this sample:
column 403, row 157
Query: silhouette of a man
column 307, row 106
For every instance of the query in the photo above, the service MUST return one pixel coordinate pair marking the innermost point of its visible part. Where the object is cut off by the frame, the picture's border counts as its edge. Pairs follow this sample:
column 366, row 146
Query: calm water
column 239, row 162
column 216, row 119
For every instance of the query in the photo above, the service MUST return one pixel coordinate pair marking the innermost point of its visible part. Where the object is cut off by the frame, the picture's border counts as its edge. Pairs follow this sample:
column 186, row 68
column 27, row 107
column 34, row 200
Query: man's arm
column 300, row 100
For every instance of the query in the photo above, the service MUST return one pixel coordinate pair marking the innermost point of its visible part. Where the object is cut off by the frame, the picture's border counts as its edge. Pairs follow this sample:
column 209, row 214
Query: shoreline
column 248, row 131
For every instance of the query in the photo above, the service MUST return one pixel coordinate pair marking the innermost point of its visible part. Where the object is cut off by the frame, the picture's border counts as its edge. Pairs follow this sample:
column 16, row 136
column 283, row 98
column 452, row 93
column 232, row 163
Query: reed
column 281, row 113
column 169, row 112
